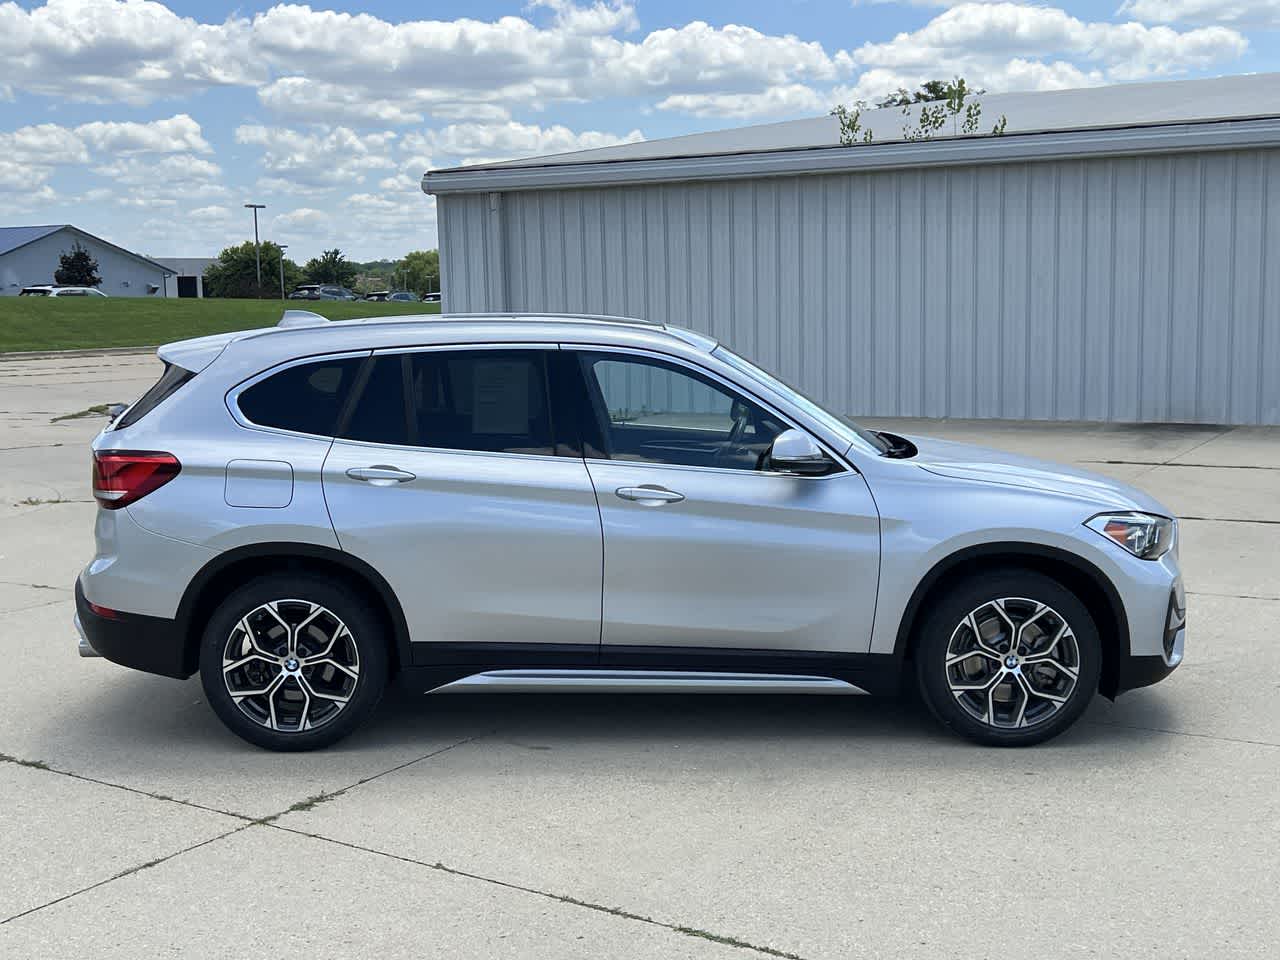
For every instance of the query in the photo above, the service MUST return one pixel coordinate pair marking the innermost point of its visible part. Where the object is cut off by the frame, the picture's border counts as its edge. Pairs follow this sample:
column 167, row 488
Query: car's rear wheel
column 1009, row 658
column 293, row 662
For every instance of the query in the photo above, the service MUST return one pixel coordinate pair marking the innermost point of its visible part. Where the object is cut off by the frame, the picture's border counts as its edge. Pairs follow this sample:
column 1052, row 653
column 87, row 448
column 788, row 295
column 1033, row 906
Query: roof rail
column 550, row 316
column 301, row 318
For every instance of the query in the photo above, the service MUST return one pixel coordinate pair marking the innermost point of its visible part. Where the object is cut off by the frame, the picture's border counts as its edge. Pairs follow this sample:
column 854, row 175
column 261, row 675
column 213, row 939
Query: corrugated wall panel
column 1113, row 289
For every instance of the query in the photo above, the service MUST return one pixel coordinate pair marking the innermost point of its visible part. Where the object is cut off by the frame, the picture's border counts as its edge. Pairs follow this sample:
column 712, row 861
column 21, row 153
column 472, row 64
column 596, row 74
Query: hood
column 965, row 461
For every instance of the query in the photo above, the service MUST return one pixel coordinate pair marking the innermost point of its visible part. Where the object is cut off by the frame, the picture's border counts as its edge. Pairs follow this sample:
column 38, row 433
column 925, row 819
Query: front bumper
column 1145, row 669
column 151, row 644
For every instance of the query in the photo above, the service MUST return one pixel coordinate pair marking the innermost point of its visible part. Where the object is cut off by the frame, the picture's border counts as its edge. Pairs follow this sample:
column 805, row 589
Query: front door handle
column 649, row 493
column 380, row 475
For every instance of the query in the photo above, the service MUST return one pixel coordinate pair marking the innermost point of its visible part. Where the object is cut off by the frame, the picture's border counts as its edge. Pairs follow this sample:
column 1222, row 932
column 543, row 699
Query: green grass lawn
column 40, row 323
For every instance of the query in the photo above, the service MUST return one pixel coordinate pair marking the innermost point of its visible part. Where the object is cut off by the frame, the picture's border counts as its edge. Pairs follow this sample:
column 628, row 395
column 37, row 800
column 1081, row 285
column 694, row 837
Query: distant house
column 187, row 278
column 29, row 255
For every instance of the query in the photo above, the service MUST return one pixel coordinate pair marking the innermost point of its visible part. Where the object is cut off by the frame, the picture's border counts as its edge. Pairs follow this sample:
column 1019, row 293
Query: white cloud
column 300, row 220
column 358, row 69
column 104, row 51
column 786, row 100
column 505, row 141
column 982, row 42
column 125, row 152
column 177, row 134
column 210, row 214
column 1241, row 13
column 324, row 157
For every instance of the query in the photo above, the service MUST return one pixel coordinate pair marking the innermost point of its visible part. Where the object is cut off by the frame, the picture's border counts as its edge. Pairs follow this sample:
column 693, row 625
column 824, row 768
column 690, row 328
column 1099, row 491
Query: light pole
column 283, row 247
column 257, row 251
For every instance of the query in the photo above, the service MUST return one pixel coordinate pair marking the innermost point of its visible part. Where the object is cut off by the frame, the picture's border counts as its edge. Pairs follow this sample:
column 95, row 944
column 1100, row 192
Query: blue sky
column 152, row 123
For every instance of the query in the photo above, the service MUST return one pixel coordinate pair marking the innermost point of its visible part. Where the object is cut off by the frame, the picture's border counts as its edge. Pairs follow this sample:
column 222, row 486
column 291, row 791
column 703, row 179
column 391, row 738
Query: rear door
column 447, row 477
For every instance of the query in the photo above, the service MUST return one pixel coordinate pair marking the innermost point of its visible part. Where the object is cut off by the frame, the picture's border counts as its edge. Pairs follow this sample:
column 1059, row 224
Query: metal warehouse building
column 1112, row 256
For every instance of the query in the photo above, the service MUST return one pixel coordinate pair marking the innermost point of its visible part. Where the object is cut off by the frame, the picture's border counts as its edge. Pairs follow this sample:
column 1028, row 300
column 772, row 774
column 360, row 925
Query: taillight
column 121, row 477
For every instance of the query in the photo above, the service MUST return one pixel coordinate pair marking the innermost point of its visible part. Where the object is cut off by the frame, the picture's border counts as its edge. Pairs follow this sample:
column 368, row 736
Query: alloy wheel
column 1012, row 663
column 290, row 665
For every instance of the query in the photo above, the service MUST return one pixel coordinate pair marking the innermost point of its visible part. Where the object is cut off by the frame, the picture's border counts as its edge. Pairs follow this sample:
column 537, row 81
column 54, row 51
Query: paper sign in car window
column 500, row 390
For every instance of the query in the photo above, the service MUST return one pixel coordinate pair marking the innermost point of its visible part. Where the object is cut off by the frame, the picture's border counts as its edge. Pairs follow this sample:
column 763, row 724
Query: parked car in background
column 51, row 290
column 575, row 503
column 403, row 296
column 431, row 297
column 322, row 291
column 377, row 296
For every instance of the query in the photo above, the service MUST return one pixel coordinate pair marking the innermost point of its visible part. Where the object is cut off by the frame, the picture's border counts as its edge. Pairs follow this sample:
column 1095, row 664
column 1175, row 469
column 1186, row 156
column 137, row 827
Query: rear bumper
column 151, row 644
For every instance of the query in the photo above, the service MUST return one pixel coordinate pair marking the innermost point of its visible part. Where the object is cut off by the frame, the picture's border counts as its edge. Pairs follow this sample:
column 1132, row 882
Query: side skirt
column 500, row 667
column 642, row 681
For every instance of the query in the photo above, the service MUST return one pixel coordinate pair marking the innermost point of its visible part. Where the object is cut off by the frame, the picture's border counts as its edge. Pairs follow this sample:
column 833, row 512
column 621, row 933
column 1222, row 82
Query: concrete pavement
column 134, row 825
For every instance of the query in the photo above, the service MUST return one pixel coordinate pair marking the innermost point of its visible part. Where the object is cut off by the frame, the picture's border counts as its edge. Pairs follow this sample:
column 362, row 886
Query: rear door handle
column 649, row 493
column 380, row 475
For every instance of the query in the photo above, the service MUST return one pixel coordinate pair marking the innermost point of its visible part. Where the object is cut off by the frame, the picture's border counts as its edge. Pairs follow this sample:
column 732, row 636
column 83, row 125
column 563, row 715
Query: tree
column 77, row 268
column 331, row 267
column 235, row 273
column 419, row 271
column 929, row 91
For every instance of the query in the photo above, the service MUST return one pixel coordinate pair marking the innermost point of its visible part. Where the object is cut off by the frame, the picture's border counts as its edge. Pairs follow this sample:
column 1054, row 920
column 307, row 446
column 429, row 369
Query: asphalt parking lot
column 133, row 824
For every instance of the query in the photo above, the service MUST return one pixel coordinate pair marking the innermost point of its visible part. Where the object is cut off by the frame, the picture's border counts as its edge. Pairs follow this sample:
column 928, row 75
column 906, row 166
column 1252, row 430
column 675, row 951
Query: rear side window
column 168, row 384
column 305, row 398
column 379, row 414
column 484, row 400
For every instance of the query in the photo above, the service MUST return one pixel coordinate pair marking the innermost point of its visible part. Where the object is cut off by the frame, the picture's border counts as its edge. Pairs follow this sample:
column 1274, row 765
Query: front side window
column 652, row 411
column 305, row 398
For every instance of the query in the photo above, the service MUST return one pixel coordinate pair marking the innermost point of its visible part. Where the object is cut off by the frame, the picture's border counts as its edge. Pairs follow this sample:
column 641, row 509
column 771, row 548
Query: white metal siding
column 1124, row 289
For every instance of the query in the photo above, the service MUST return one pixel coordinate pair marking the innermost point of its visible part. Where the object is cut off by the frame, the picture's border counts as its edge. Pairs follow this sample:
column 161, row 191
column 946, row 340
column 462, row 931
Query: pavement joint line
column 41, row 765
column 1228, row 520
column 314, row 801
column 1230, row 596
column 559, row 898
column 33, row 586
column 1182, row 733
column 1193, row 449
column 1169, row 463
column 126, row 873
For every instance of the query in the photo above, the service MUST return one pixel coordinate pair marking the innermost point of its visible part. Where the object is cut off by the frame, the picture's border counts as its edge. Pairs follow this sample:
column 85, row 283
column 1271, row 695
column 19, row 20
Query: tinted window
column 379, row 413
column 494, row 400
column 306, row 398
column 656, row 412
column 168, row 384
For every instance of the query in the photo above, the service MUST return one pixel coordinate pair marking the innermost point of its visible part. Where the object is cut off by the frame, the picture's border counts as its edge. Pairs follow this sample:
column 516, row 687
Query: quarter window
column 658, row 412
column 305, row 398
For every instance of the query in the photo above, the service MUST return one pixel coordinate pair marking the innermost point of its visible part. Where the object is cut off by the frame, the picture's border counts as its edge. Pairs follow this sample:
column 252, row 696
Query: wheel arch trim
column 1117, row 631
column 287, row 551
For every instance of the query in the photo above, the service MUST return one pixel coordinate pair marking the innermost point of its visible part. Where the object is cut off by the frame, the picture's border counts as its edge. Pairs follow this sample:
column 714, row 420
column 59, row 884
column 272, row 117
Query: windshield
column 840, row 426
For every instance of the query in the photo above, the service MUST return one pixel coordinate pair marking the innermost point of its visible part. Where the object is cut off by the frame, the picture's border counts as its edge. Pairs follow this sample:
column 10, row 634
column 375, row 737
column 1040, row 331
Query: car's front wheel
column 293, row 662
column 1008, row 658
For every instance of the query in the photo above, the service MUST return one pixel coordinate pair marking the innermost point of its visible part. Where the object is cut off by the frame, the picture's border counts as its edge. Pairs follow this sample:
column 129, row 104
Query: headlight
column 1145, row 535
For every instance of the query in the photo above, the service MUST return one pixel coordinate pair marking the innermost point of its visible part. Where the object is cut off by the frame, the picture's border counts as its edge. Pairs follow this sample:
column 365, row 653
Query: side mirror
column 794, row 451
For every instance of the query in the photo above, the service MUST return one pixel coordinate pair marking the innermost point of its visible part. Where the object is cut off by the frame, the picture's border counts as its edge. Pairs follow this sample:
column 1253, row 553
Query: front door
column 458, row 499
column 703, row 547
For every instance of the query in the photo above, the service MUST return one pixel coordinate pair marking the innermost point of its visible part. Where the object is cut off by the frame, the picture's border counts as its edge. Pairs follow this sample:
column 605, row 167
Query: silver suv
column 584, row 503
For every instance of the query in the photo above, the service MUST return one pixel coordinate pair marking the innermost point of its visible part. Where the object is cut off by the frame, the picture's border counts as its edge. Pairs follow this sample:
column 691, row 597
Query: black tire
column 944, row 621
column 364, row 644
